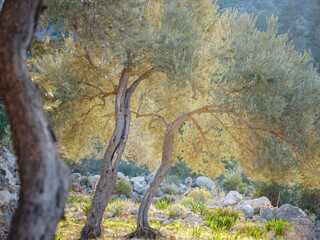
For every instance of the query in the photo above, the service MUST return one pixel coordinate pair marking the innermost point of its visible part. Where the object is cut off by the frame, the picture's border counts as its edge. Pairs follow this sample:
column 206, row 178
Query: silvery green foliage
column 273, row 89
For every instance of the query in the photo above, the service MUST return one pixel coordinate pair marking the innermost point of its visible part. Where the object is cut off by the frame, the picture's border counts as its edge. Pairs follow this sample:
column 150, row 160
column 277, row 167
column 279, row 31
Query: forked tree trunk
column 143, row 229
column 44, row 176
column 93, row 227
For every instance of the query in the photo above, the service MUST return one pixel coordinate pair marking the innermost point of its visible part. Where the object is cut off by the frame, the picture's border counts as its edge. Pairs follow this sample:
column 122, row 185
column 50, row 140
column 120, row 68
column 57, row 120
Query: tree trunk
column 44, row 176
column 93, row 227
column 143, row 228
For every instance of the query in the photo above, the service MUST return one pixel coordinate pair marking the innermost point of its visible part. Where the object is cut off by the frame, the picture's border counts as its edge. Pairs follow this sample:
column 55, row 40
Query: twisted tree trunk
column 143, row 229
column 93, row 227
column 44, row 176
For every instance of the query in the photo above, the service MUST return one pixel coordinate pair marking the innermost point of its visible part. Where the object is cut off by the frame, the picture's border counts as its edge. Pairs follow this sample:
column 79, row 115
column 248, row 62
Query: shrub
column 186, row 201
column 216, row 223
column 233, row 180
column 173, row 179
column 162, row 204
column 130, row 168
column 169, row 198
column 277, row 194
column 86, row 208
column 278, row 226
column 256, row 232
column 173, row 213
column 228, row 211
column 309, row 200
column 200, row 195
column 124, row 188
column 84, row 180
column 168, row 189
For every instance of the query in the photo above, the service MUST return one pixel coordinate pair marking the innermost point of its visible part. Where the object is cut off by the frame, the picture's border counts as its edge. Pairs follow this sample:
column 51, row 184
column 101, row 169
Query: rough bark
column 144, row 230
column 44, row 176
column 93, row 227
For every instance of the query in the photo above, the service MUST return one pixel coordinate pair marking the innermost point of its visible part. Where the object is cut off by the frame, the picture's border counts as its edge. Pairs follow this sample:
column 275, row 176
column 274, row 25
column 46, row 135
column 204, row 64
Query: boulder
column 267, row 213
column 288, row 213
column 188, row 181
column 138, row 179
column 138, row 187
column 150, row 177
column 9, row 189
column 75, row 186
column 205, row 182
column 121, row 176
column 93, row 181
column 232, row 198
column 259, row 203
column 247, row 211
column 75, row 177
column 159, row 193
column 303, row 230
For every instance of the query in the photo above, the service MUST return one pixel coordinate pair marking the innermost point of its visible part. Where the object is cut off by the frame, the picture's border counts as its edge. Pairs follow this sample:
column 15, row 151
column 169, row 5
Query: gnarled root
column 146, row 233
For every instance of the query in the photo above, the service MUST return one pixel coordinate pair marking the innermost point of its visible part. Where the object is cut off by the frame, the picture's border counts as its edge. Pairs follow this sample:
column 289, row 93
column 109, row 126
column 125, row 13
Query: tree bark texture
column 44, row 176
column 144, row 230
column 93, row 226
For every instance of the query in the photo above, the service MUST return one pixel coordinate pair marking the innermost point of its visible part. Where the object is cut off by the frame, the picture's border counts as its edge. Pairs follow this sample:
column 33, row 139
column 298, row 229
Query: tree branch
column 143, row 76
column 98, row 68
column 138, row 115
column 231, row 134
column 204, row 139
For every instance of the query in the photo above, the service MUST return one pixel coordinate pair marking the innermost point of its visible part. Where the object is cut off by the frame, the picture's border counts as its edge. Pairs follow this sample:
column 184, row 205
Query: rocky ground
column 174, row 212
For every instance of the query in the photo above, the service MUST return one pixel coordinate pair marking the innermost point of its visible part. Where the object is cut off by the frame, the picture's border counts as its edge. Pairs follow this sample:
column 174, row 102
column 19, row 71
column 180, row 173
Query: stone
column 108, row 214
column 120, row 176
column 232, row 198
column 75, row 186
column 93, row 181
column 247, row 211
column 123, row 197
column 257, row 218
column 9, row 189
column 166, row 222
column 317, row 230
column 205, row 182
column 303, row 229
column 288, row 213
column 138, row 179
column 159, row 193
column 188, row 181
column 133, row 210
column 267, row 213
column 76, row 216
column 114, row 197
column 75, row 177
column 259, row 203
column 150, row 177
column 138, row 187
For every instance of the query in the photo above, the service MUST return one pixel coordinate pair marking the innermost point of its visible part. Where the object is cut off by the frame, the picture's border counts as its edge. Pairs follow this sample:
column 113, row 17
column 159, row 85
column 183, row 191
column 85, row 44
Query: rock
column 133, row 210
column 205, row 182
column 267, row 213
column 114, row 197
column 138, row 187
column 259, row 203
column 188, row 181
column 138, row 179
column 303, row 229
column 120, row 176
column 75, row 186
column 123, row 197
column 159, row 193
column 317, row 230
column 9, row 189
column 232, row 198
column 135, row 196
column 150, row 177
column 93, row 181
column 288, row 213
column 257, row 218
column 108, row 214
column 247, row 211
column 76, row 216
column 166, row 222
column 75, row 177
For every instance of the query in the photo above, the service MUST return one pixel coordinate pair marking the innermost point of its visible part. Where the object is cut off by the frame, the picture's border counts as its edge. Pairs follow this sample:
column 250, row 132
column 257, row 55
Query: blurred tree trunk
column 44, row 176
